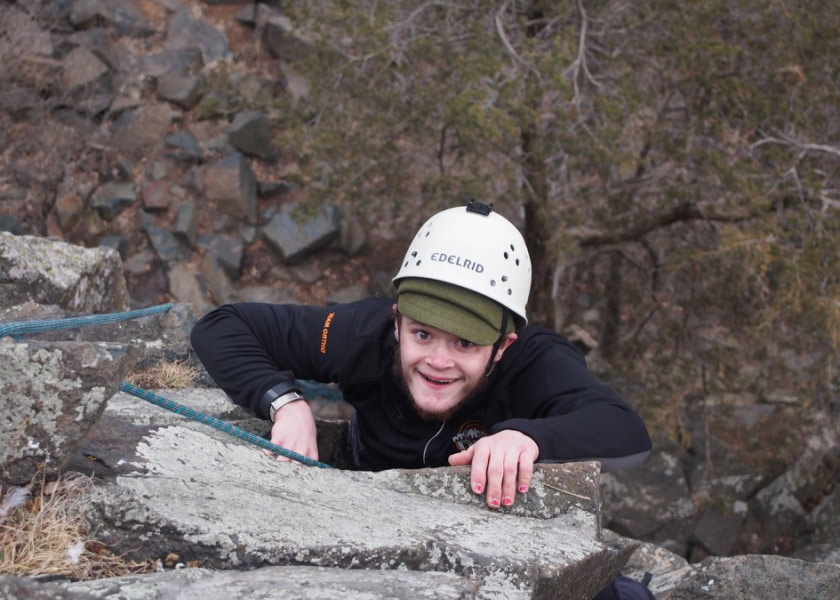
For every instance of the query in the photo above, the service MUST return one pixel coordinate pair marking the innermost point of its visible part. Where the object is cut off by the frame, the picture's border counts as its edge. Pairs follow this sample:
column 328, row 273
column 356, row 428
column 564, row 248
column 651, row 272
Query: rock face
column 279, row 583
column 256, row 512
column 51, row 395
column 171, row 486
column 425, row 520
column 87, row 280
column 759, row 576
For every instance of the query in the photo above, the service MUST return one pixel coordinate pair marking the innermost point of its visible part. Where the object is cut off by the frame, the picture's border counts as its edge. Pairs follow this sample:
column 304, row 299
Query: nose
column 439, row 356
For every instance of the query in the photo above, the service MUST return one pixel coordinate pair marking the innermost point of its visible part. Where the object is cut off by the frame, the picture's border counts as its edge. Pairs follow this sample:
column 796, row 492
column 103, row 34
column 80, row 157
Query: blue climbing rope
column 218, row 424
column 28, row 327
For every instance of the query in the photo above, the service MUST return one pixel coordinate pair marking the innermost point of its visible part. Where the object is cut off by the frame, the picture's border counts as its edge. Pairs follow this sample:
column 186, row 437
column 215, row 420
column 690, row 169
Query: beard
column 425, row 415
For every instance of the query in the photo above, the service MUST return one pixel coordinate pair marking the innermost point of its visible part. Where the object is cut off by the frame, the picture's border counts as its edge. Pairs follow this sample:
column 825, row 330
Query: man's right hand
column 294, row 429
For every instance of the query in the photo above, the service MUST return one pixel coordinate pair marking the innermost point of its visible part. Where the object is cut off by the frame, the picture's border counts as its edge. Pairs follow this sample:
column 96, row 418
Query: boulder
column 186, row 223
column 296, row 232
column 226, row 249
column 783, row 512
column 22, row 25
column 145, row 277
column 52, row 393
column 175, row 486
column 83, row 71
column 651, row 502
column 123, row 15
column 166, row 245
column 283, row 41
column 140, row 132
column 232, row 185
column 156, row 195
column 185, row 286
column 279, row 583
column 85, row 280
column 183, row 146
column 665, row 569
column 185, row 32
column 159, row 337
column 333, row 518
column 250, row 133
column 217, row 281
column 759, row 576
column 113, row 198
column 183, row 90
column 20, row 588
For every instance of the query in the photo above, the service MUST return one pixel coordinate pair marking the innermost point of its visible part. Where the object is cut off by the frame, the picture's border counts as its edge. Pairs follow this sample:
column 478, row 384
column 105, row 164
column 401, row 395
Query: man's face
column 440, row 370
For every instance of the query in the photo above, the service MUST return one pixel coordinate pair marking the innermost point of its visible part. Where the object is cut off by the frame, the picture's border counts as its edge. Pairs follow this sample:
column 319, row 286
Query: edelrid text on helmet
column 475, row 248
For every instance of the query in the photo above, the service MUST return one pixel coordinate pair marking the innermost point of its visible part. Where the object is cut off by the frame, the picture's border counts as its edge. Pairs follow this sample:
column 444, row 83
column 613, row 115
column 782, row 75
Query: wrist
column 282, row 401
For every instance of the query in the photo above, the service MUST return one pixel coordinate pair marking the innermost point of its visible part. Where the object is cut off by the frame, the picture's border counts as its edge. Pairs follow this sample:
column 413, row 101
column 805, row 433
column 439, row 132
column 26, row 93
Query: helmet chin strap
column 492, row 364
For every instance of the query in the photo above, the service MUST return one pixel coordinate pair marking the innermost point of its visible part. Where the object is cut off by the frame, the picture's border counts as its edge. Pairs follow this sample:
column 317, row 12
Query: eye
column 465, row 344
column 421, row 334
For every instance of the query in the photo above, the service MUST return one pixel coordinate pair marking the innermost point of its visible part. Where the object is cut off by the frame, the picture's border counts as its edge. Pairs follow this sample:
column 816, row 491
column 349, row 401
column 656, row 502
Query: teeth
column 433, row 380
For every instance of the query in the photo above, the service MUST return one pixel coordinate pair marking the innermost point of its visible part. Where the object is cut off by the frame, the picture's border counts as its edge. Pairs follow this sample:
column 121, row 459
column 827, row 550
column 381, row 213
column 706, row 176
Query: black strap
column 502, row 329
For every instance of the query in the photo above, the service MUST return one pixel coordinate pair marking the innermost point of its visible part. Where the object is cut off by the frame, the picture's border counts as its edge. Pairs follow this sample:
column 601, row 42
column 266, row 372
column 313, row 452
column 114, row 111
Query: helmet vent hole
column 418, row 263
column 517, row 262
column 414, row 254
column 492, row 282
column 510, row 292
column 406, row 264
column 504, row 277
column 506, row 256
column 427, row 234
column 511, row 247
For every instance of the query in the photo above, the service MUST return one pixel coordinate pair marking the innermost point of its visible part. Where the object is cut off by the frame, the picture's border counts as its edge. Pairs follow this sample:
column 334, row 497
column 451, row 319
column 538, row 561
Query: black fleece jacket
column 540, row 387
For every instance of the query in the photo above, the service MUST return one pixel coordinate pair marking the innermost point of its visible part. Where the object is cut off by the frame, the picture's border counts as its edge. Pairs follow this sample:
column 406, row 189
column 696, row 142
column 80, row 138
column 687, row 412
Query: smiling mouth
column 435, row 380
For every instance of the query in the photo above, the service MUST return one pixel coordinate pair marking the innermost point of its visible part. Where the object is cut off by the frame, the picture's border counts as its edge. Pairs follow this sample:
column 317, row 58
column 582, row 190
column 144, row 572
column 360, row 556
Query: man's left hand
column 502, row 464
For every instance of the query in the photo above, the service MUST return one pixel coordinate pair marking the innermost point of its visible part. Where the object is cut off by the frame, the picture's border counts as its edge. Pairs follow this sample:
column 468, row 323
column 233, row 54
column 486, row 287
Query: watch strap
column 282, row 401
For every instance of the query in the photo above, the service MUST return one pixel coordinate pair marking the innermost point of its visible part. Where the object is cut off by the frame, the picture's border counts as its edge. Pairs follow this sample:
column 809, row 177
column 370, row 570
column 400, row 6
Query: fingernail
column 479, row 488
column 494, row 502
column 523, row 489
column 507, row 501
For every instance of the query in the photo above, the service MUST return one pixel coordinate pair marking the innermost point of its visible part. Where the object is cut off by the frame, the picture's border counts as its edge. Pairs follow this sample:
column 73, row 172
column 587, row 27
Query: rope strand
column 218, row 424
column 19, row 328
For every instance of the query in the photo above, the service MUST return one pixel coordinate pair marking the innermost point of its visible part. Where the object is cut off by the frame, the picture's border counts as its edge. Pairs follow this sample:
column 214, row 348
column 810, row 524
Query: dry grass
column 47, row 535
column 171, row 375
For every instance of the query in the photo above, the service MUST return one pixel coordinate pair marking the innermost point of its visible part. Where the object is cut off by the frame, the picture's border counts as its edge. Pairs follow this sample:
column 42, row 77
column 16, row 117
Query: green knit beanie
column 454, row 309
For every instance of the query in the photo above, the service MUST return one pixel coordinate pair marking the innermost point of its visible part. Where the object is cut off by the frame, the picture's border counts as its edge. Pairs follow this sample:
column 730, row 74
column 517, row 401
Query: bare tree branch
column 579, row 63
column 802, row 146
column 681, row 213
column 500, row 29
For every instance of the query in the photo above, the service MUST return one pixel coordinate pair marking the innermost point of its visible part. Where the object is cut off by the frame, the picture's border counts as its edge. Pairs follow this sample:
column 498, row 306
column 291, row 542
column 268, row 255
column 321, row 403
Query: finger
column 461, row 458
column 495, row 476
column 478, row 470
column 511, row 466
column 526, row 472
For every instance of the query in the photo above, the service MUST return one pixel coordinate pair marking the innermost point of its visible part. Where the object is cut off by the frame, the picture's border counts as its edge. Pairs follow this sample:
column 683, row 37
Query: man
column 449, row 374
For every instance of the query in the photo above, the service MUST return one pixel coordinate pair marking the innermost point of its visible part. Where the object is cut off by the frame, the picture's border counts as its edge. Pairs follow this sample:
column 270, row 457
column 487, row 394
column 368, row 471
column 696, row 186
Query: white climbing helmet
column 474, row 248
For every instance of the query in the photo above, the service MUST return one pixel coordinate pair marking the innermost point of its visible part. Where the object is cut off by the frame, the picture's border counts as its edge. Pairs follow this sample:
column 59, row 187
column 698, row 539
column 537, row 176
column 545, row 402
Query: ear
column 506, row 341
column 396, row 323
